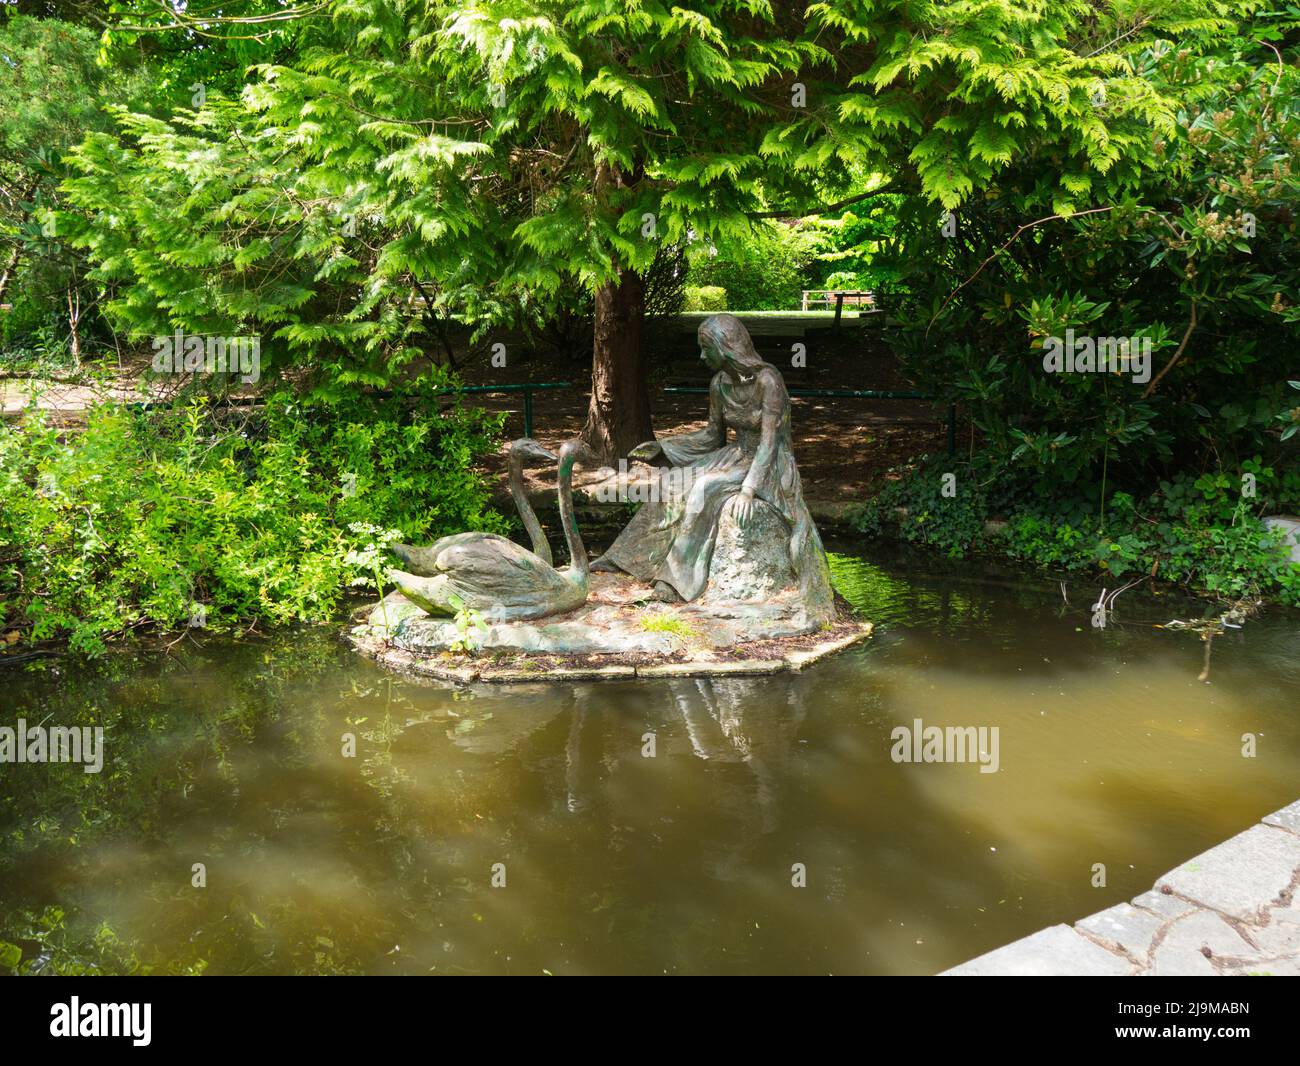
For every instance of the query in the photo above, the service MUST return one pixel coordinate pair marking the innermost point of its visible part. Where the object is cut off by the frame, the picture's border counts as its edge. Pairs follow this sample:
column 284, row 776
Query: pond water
column 229, row 754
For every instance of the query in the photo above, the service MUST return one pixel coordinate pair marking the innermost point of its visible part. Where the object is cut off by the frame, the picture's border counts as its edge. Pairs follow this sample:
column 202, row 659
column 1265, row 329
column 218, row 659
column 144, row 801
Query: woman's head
column 725, row 342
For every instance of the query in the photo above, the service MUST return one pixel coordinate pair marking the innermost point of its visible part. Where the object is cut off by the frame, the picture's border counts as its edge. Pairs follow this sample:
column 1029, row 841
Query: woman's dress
column 672, row 540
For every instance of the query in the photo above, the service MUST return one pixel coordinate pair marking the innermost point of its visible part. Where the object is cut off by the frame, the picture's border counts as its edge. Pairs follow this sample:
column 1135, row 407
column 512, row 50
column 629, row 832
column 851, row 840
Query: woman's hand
column 651, row 449
column 743, row 508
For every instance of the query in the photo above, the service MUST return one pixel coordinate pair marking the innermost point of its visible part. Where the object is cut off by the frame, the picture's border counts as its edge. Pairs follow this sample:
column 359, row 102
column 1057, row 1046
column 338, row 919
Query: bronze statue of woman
column 670, row 542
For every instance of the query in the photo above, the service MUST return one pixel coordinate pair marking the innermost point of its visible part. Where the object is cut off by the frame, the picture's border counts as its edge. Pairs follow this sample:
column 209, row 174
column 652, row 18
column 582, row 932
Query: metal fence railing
column 527, row 389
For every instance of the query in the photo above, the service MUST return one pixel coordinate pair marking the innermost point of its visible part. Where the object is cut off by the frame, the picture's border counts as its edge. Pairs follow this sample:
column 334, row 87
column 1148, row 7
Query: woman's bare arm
column 774, row 407
column 685, row 448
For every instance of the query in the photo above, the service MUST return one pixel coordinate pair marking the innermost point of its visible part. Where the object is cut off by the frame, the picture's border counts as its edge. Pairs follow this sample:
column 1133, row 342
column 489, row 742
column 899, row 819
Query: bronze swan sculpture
column 494, row 575
column 424, row 561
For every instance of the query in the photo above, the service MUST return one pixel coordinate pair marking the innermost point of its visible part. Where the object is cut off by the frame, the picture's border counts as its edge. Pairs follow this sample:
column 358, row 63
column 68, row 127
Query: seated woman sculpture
column 670, row 542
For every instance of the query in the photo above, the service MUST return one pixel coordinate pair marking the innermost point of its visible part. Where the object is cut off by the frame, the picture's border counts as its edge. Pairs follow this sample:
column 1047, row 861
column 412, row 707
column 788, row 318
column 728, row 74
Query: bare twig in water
column 1106, row 604
column 1209, row 628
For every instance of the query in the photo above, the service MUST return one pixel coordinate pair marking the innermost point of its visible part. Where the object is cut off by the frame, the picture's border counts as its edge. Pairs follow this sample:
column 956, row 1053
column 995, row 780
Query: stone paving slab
column 1124, row 929
column 1057, row 951
column 557, row 673
column 1191, row 944
column 1231, row 911
column 797, row 660
column 1242, row 876
column 748, row 667
column 1162, row 903
column 1286, row 818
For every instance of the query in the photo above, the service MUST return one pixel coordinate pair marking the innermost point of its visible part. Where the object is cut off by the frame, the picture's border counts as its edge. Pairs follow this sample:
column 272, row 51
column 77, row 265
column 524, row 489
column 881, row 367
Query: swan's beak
column 580, row 451
column 530, row 449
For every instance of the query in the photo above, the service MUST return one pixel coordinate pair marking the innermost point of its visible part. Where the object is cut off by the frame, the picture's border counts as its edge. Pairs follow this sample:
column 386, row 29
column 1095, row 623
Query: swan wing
column 496, row 565
column 426, row 561
column 490, row 573
column 482, row 552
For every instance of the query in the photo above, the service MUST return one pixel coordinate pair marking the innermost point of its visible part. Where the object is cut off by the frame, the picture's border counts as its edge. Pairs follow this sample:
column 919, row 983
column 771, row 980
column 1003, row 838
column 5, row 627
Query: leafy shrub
column 850, row 246
column 916, row 509
column 1201, row 258
column 143, row 516
column 847, row 280
column 765, row 271
column 706, row 298
column 1198, row 531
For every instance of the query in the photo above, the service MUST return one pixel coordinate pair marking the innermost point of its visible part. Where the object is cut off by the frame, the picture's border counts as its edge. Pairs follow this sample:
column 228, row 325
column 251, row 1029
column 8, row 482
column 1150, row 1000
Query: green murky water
column 229, row 754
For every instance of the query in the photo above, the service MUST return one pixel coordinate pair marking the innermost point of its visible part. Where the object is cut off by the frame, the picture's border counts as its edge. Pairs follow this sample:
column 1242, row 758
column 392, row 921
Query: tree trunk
column 74, row 317
column 619, row 416
column 10, row 268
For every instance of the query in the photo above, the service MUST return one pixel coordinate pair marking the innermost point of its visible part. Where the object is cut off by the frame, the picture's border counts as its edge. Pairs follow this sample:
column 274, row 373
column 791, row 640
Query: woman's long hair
column 729, row 335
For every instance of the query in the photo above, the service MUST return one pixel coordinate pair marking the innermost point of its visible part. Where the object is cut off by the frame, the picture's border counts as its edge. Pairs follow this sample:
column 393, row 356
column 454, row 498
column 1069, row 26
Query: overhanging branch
column 797, row 213
column 1182, row 347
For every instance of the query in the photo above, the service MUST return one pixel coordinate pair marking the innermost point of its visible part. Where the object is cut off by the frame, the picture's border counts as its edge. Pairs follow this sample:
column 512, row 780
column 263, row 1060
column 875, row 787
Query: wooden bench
column 838, row 298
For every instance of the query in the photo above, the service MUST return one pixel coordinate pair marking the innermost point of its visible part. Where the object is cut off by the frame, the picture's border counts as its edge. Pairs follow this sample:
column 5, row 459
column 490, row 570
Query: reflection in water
column 740, row 722
column 231, row 754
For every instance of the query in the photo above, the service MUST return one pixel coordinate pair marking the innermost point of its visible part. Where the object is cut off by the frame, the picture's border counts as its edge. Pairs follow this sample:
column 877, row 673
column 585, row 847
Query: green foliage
column 419, row 161
column 917, row 508
column 58, row 79
column 850, row 246
column 66, row 952
column 1202, row 532
column 470, row 625
column 394, row 165
column 765, row 270
column 705, row 298
column 407, row 162
column 203, row 56
column 250, row 519
column 1290, row 419
column 53, row 93
column 369, row 559
column 1198, row 258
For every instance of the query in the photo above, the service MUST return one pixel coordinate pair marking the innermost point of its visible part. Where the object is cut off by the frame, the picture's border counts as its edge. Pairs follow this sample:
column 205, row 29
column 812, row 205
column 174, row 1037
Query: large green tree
column 60, row 70
column 1200, row 261
column 52, row 91
column 490, row 156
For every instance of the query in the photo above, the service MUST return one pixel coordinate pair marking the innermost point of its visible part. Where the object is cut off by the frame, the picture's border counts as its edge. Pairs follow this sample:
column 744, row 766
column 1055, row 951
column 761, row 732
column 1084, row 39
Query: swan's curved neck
column 541, row 546
column 578, row 565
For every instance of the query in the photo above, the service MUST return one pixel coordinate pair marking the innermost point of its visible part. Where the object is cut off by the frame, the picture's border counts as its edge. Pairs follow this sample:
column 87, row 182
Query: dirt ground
column 841, row 446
